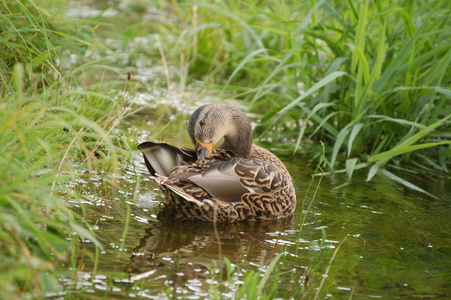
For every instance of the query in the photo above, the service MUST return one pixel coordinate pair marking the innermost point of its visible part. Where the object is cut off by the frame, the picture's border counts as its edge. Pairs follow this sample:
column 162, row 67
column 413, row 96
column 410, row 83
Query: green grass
column 49, row 129
column 370, row 79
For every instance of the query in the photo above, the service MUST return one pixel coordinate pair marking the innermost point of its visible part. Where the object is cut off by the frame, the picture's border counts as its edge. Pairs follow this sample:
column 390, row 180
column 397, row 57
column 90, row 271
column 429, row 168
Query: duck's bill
column 203, row 149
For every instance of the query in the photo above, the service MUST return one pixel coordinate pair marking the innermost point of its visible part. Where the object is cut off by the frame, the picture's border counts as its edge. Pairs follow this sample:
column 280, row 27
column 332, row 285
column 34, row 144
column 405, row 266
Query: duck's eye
column 202, row 122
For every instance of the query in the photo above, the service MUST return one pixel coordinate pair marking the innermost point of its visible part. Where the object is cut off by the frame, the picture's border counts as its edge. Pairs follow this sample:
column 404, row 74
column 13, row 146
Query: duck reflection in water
column 191, row 247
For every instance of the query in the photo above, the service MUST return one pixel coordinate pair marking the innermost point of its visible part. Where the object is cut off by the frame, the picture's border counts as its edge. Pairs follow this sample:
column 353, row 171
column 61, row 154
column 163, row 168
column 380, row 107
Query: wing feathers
column 228, row 181
column 222, row 187
column 161, row 158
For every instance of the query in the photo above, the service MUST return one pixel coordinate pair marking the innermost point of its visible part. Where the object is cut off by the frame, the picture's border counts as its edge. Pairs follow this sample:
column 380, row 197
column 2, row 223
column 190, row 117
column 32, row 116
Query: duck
column 236, row 181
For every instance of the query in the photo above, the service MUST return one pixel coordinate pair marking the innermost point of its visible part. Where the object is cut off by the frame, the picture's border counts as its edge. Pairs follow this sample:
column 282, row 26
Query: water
column 395, row 242
column 388, row 241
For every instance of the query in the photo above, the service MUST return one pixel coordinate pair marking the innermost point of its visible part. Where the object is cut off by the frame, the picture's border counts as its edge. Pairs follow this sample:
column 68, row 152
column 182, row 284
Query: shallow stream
column 395, row 242
column 363, row 239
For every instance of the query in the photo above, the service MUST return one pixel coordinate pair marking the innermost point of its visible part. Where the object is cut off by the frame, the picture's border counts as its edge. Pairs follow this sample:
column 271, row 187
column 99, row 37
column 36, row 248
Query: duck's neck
column 238, row 138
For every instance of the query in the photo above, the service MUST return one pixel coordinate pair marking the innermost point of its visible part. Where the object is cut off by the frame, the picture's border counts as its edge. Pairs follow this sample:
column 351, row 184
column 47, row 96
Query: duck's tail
column 161, row 158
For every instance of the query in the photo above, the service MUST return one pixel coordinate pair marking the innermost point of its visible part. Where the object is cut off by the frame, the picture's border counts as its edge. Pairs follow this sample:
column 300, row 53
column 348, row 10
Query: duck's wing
column 228, row 181
column 161, row 158
column 218, row 179
column 261, row 177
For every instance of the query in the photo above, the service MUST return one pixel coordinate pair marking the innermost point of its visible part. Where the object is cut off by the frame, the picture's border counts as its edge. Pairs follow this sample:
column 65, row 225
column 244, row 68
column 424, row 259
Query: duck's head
column 212, row 122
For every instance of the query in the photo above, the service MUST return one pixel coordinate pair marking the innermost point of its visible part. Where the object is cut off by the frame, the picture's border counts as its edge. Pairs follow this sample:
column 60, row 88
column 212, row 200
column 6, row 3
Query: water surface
column 395, row 242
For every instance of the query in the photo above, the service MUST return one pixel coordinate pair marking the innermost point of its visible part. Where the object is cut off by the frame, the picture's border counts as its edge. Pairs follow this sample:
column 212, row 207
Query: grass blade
column 350, row 167
column 329, row 78
column 340, row 139
column 384, row 157
column 373, row 171
column 355, row 130
column 405, row 183
column 359, row 42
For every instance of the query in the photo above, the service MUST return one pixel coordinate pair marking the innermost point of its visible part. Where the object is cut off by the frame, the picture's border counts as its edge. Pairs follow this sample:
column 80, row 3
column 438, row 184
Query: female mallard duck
column 238, row 181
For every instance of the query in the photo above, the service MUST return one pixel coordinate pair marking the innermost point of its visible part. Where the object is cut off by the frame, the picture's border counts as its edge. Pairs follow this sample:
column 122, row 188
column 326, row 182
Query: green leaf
column 373, row 170
column 397, row 120
column 350, row 166
column 300, row 135
column 84, row 233
column 444, row 92
column 355, row 130
column 383, row 157
column 242, row 64
column 276, row 70
column 329, row 78
column 381, row 50
column 363, row 63
column 359, row 42
column 388, row 77
column 356, row 167
column 322, row 121
column 268, row 272
column 405, row 183
column 405, row 146
column 339, row 141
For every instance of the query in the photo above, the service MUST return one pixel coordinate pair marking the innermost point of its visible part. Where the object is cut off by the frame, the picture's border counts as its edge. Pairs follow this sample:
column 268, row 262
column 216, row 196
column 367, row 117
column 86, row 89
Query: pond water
column 394, row 242
column 354, row 238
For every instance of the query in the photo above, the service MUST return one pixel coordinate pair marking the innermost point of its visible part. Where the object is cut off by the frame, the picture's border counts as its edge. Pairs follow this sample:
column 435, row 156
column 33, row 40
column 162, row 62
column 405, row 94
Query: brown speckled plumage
column 238, row 181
